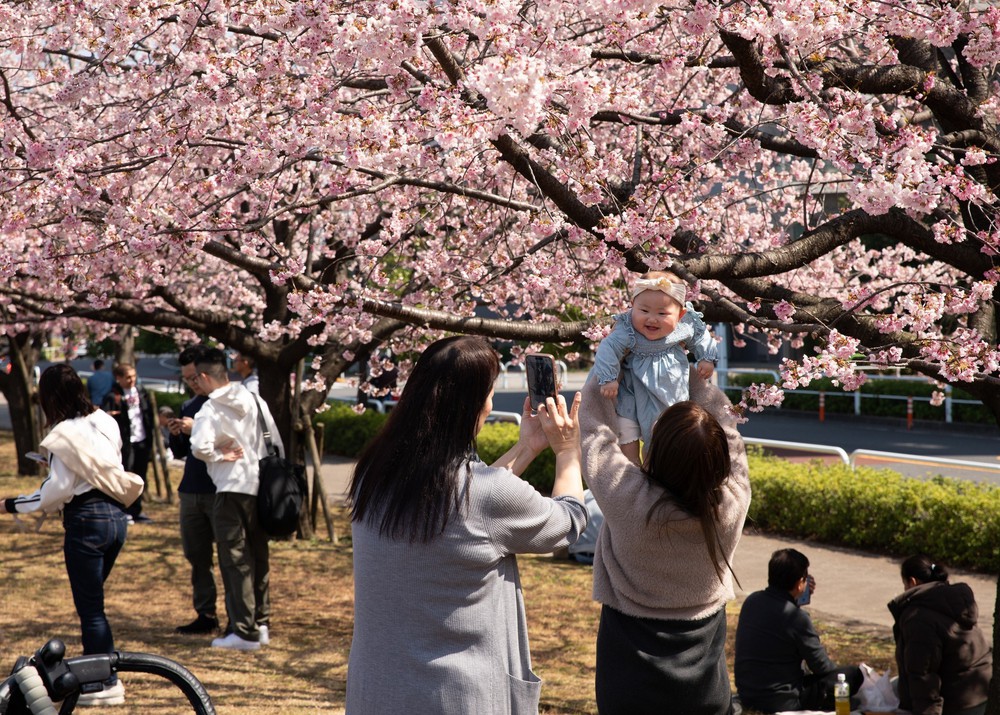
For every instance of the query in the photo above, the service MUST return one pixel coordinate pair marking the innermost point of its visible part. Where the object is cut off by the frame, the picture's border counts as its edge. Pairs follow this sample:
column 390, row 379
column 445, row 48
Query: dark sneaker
column 201, row 624
column 142, row 519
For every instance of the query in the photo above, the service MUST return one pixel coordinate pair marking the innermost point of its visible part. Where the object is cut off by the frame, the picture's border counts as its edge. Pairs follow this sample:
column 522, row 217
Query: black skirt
column 648, row 665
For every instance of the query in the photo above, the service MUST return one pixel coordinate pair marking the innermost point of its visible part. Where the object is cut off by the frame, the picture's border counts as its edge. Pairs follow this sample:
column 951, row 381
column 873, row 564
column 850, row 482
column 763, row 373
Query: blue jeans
column 95, row 534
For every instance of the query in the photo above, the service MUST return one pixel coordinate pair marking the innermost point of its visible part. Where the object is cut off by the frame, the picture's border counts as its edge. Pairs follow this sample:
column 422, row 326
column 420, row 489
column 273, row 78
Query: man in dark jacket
column 775, row 635
column 197, row 496
column 130, row 406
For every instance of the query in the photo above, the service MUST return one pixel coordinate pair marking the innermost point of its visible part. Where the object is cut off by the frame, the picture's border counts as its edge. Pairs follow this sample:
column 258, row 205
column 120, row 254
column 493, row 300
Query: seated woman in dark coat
column 943, row 658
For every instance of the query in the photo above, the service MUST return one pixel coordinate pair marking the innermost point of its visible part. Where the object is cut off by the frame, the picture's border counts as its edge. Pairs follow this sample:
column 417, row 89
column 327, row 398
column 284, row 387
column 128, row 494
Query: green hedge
column 878, row 510
column 346, row 433
column 495, row 439
column 173, row 400
column 838, row 401
column 871, row 509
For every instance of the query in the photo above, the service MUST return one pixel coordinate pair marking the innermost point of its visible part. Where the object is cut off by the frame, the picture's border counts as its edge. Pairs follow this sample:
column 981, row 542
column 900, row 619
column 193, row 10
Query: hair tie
column 677, row 291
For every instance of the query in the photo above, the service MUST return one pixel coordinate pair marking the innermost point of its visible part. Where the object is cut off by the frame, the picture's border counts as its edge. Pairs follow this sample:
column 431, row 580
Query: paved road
column 975, row 444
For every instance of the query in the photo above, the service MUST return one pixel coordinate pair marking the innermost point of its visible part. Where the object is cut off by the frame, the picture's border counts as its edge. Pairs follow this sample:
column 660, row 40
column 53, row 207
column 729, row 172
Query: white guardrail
column 949, row 401
column 852, row 458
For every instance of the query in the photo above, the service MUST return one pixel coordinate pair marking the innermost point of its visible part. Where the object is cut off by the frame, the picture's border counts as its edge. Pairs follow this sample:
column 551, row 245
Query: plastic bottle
column 842, row 695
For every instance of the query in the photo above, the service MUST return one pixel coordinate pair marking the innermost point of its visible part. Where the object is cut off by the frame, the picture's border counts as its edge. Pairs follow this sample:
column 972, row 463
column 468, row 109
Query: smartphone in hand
column 38, row 457
column 541, row 372
column 806, row 596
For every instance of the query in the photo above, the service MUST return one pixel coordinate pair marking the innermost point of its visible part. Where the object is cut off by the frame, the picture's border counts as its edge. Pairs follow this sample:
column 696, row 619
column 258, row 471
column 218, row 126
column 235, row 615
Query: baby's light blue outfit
column 654, row 372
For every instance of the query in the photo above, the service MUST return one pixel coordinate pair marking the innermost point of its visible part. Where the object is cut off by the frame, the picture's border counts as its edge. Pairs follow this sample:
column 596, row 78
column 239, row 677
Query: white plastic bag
column 876, row 692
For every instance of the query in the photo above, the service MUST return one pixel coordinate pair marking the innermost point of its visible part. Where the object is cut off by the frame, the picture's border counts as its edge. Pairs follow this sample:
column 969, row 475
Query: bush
column 495, row 439
column 878, row 510
column 345, row 432
column 173, row 400
column 872, row 509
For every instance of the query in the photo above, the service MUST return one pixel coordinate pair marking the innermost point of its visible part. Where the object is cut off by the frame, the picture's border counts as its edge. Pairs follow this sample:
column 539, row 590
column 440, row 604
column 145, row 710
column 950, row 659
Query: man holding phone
column 197, row 496
column 775, row 635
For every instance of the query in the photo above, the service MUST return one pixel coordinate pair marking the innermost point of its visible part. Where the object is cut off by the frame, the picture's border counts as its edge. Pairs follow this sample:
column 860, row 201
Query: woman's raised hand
column 561, row 424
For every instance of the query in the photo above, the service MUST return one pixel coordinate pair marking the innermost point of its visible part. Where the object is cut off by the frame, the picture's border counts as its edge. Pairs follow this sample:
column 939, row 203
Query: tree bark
column 125, row 350
column 18, row 387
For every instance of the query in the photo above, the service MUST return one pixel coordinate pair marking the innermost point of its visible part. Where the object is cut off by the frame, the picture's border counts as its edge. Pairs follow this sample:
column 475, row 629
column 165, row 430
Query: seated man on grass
column 775, row 636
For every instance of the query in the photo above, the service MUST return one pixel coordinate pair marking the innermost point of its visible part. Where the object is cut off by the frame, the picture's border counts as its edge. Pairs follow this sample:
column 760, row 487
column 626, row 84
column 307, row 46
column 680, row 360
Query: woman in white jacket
column 84, row 448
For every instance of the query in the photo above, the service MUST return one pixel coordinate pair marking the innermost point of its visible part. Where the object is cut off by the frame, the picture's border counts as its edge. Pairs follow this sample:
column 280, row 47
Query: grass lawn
column 304, row 669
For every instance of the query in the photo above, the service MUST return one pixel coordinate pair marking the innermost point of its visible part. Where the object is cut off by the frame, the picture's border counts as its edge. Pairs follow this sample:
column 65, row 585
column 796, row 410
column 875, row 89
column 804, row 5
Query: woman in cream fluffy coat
column 662, row 563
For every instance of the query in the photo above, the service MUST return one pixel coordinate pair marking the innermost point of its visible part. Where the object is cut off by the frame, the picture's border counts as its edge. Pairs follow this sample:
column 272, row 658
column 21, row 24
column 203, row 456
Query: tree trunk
column 125, row 350
column 276, row 391
column 18, row 387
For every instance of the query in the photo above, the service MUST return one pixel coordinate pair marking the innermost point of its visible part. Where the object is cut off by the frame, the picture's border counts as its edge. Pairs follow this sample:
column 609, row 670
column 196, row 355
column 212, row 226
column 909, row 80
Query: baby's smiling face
column 655, row 314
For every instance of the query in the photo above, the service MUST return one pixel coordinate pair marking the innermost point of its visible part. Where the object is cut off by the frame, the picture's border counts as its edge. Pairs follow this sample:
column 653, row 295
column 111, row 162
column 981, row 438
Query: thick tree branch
column 829, row 235
column 556, row 332
column 765, row 89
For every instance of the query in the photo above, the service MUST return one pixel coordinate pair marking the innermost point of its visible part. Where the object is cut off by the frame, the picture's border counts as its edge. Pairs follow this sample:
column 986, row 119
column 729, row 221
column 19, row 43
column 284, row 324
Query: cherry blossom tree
column 307, row 180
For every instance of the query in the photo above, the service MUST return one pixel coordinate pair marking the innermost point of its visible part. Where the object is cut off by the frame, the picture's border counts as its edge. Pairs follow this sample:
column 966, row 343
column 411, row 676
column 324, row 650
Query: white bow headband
column 677, row 291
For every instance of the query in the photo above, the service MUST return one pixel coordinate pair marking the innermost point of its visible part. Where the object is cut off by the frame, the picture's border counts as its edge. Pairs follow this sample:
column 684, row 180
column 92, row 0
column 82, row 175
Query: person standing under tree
column 246, row 368
column 99, row 383
column 84, row 450
column 197, row 497
column 129, row 404
column 226, row 436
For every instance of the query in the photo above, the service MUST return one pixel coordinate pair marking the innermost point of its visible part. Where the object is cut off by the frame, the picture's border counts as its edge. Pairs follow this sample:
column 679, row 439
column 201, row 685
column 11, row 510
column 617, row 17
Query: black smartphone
column 541, row 372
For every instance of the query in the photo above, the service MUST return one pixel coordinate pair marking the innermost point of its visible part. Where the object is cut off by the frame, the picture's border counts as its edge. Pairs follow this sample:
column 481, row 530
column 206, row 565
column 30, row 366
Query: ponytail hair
column 923, row 568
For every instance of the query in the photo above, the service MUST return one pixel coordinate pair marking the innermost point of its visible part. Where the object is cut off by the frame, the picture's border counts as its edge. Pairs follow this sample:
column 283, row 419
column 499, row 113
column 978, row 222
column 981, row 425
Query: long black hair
column 407, row 478
column 62, row 395
column 689, row 457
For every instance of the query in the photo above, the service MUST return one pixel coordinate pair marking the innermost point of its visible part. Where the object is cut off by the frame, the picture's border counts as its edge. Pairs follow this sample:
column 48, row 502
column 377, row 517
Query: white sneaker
column 234, row 642
column 110, row 695
column 265, row 636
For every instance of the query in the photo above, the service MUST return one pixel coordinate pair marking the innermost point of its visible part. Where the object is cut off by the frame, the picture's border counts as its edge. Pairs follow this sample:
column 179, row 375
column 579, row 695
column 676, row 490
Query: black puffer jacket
column 943, row 658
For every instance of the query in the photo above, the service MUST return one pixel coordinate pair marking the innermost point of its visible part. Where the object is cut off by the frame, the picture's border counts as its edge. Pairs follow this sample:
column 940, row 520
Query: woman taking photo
column 662, row 563
column 439, row 622
column 943, row 658
column 84, row 447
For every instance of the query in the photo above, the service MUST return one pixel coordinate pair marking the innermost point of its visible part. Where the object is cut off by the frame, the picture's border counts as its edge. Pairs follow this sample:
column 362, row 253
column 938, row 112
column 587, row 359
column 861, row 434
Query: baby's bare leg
column 631, row 450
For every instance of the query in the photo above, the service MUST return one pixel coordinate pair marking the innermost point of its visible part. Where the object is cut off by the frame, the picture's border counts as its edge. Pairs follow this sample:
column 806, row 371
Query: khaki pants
column 243, row 561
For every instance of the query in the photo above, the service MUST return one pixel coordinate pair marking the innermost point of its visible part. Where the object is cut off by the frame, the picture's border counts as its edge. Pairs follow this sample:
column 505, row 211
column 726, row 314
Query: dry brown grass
column 304, row 669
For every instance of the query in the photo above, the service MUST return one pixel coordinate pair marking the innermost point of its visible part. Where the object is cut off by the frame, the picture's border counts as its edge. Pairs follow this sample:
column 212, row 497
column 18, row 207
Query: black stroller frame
column 48, row 683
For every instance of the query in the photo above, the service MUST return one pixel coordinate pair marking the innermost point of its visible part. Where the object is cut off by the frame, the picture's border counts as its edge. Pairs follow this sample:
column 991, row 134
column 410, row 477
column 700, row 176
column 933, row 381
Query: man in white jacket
column 226, row 435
